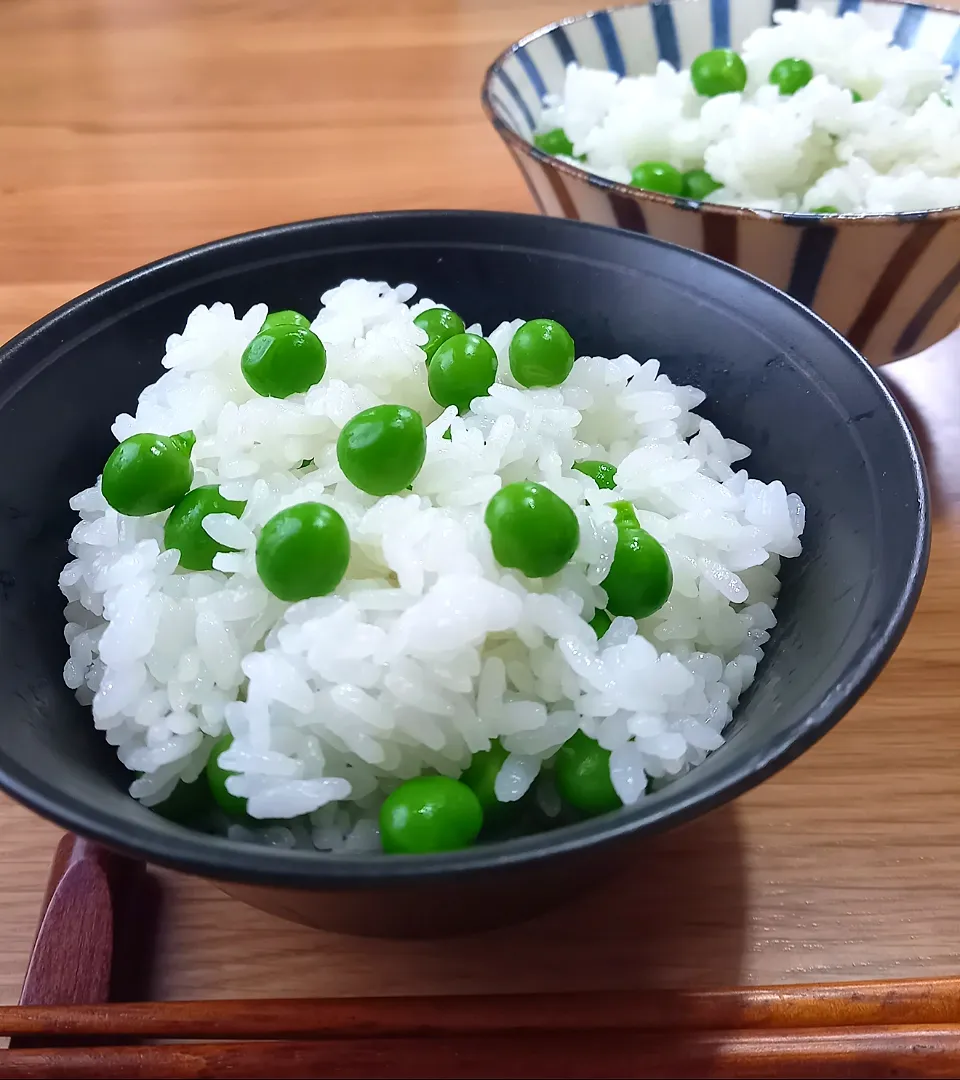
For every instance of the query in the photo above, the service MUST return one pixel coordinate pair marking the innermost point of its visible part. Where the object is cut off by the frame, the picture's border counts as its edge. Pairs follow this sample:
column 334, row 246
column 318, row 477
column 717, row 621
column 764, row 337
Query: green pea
column 600, row 623
column 148, row 473
column 303, row 551
column 381, row 450
column 603, row 472
column 541, row 353
column 582, row 772
column 184, row 528
column 719, row 71
column 481, row 775
column 441, row 324
column 234, row 805
column 554, row 142
column 428, row 814
column 698, row 184
column 285, row 318
column 791, row 75
column 825, row 210
column 462, row 368
column 186, row 803
column 283, row 360
column 640, row 578
column 657, row 176
column 531, row 529
column 857, row 96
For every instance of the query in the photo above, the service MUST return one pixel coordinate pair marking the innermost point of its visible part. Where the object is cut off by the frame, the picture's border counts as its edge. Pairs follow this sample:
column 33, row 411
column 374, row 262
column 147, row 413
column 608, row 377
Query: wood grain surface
column 132, row 128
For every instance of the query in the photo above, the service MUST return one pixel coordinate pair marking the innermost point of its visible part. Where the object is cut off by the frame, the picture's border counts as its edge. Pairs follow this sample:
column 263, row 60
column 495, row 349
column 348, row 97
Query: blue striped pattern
column 910, row 19
column 810, row 262
column 561, row 41
column 502, row 107
column 720, row 22
column 782, row 5
column 665, row 32
column 511, row 88
column 919, row 322
column 533, row 72
column 611, row 43
column 612, row 25
column 952, row 56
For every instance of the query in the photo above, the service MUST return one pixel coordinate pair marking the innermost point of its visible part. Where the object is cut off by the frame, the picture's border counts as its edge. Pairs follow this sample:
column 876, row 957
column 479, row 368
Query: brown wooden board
column 141, row 128
column 130, row 130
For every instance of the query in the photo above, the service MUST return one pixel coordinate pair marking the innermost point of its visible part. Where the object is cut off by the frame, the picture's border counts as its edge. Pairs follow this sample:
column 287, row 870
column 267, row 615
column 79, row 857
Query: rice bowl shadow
column 674, row 917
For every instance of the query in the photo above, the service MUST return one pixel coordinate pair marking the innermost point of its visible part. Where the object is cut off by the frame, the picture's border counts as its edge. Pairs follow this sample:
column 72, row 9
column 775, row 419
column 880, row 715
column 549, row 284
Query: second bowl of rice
column 828, row 164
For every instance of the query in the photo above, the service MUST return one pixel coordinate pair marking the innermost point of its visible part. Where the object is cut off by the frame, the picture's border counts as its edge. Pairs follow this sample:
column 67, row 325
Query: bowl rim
column 678, row 202
column 220, row 858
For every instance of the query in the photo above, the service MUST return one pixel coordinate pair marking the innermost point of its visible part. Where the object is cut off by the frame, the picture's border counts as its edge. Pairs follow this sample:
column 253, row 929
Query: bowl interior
column 777, row 379
column 631, row 40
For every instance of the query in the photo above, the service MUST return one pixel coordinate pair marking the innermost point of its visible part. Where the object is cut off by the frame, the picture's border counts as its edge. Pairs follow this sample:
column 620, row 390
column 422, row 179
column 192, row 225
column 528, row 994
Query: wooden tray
column 66, row 1027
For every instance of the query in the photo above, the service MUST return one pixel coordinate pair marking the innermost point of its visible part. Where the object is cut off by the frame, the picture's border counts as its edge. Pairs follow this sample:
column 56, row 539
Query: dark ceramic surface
column 776, row 377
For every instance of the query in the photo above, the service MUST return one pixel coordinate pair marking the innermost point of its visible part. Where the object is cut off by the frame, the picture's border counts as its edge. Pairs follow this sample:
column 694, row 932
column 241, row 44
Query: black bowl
column 777, row 379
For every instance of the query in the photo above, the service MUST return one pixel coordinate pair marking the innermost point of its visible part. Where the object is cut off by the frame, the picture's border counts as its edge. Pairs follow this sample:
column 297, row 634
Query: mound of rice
column 897, row 150
column 429, row 649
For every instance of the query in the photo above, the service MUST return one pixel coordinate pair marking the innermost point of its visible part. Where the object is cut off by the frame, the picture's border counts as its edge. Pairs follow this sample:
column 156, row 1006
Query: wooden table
column 132, row 128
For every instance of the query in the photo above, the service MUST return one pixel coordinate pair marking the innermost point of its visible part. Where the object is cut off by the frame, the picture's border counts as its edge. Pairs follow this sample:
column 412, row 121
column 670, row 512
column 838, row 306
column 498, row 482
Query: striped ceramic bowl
column 890, row 283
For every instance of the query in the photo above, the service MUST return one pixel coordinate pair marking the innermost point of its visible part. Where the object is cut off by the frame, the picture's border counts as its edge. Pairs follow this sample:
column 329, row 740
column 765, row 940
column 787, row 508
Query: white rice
column 429, row 649
column 897, row 150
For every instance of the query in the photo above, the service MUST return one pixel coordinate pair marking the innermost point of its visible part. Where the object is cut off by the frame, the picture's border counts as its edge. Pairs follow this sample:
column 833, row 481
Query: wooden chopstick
column 823, row 1005
column 73, row 953
column 89, row 947
column 77, row 956
column 863, row 1052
